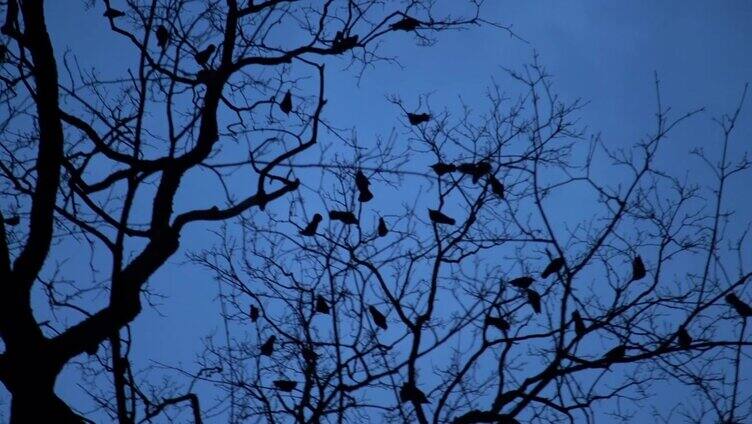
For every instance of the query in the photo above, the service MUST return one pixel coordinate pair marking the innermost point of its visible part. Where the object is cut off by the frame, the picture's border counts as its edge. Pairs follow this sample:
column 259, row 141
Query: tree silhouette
column 99, row 164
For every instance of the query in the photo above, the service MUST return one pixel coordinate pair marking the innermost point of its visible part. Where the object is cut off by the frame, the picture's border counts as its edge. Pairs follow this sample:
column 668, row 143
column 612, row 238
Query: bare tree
column 99, row 163
column 515, row 281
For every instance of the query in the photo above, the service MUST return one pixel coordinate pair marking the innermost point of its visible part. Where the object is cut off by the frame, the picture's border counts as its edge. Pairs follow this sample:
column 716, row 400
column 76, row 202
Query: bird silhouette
column 441, row 168
column 685, row 340
column 321, row 306
column 497, row 322
column 743, row 309
column 285, row 385
column 410, row 393
column 310, row 229
column 497, row 187
column 382, row 228
column 405, row 24
column 476, row 170
column 440, row 218
column 378, row 318
column 163, row 36
column 286, row 104
column 418, row 118
column 615, row 354
column 362, row 183
column 202, row 57
column 579, row 325
column 309, row 355
column 553, row 267
column 345, row 217
column 254, row 313
column 113, row 13
column 342, row 43
column 522, row 282
column 638, row 269
column 268, row 347
column 534, row 299
column 12, row 221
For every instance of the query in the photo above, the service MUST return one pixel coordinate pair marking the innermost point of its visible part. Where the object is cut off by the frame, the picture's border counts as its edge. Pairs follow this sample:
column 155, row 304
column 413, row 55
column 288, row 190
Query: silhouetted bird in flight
column 286, row 104
column 405, row 24
column 744, row 310
column 163, row 36
column 202, row 57
column 553, row 267
column 534, row 299
column 310, row 229
column 345, row 217
column 410, row 393
column 497, row 322
column 522, row 282
column 285, row 385
column 254, row 313
column 418, row 118
column 615, row 354
column 685, row 340
column 113, row 13
column 476, row 170
column 497, row 187
column 378, row 318
column 362, row 183
column 382, row 228
column 579, row 325
column 321, row 306
column 638, row 269
column 268, row 347
column 12, row 220
column 440, row 218
column 309, row 354
column 441, row 168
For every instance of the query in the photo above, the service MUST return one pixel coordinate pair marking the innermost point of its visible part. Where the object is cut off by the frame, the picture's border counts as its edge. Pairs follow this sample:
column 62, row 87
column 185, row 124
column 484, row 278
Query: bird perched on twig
column 534, row 299
column 579, row 325
column 553, row 267
column 254, row 313
column 407, row 23
column 362, row 183
column 441, row 168
column 202, row 57
column 310, row 229
column 113, row 13
column 522, row 282
column 743, row 309
column 475, row 170
column 378, row 318
column 163, row 36
column 440, row 218
column 342, row 43
column 410, row 393
column 685, row 340
column 286, row 104
column 309, row 354
column 418, row 118
column 497, row 187
column 321, row 306
column 382, row 230
column 285, row 385
column 615, row 354
column 497, row 322
column 638, row 269
column 345, row 217
column 268, row 347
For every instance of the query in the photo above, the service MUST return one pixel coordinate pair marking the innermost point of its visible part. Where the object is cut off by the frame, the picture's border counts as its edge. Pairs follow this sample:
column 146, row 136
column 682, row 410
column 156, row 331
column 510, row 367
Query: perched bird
column 418, row 118
column 497, row 322
column 410, row 393
column 405, row 24
column 202, row 57
column 579, row 325
column 268, row 347
column 441, row 168
column 553, row 267
column 522, row 282
column 285, row 385
column 286, row 104
column 342, row 43
column 362, row 183
column 113, row 13
column 685, row 340
column 476, row 170
column 12, row 220
column 744, row 310
column 497, row 187
column 343, row 216
column 440, row 218
column 254, row 313
column 534, row 299
column 321, row 306
column 163, row 36
column 378, row 318
column 638, row 269
column 382, row 228
column 310, row 229
column 615, row 354
column 309, row 354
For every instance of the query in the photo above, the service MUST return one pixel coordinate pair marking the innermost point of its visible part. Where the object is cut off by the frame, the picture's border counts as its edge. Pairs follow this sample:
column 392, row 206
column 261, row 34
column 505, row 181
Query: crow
column 285, row 385
column 310, row 229
column 378, row 318
column 418, row 118
column 163, row 36
column 441, row 168
column 476, row 170
column 440, row 218
column 553, row 267
column 321, row 306
column 405, row 24
column 342, row 43
column 113, row 13
column 534, row 299
column 268, row 347
column 497, row 187
column 522, row 282
column 202, row 57
column 382, row 228
column 497, row 322
column 362, row 183
column 615, row 354
column 744, row 310
column 343, row 216
column 638, row 269
column 685, row 340
column 410, row 393
column 254, row 313
column 579, row 325
column 286, row 104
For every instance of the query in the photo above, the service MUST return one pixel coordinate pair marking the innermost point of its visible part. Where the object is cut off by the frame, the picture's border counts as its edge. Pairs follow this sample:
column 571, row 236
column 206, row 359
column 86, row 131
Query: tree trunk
column 40, row 406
